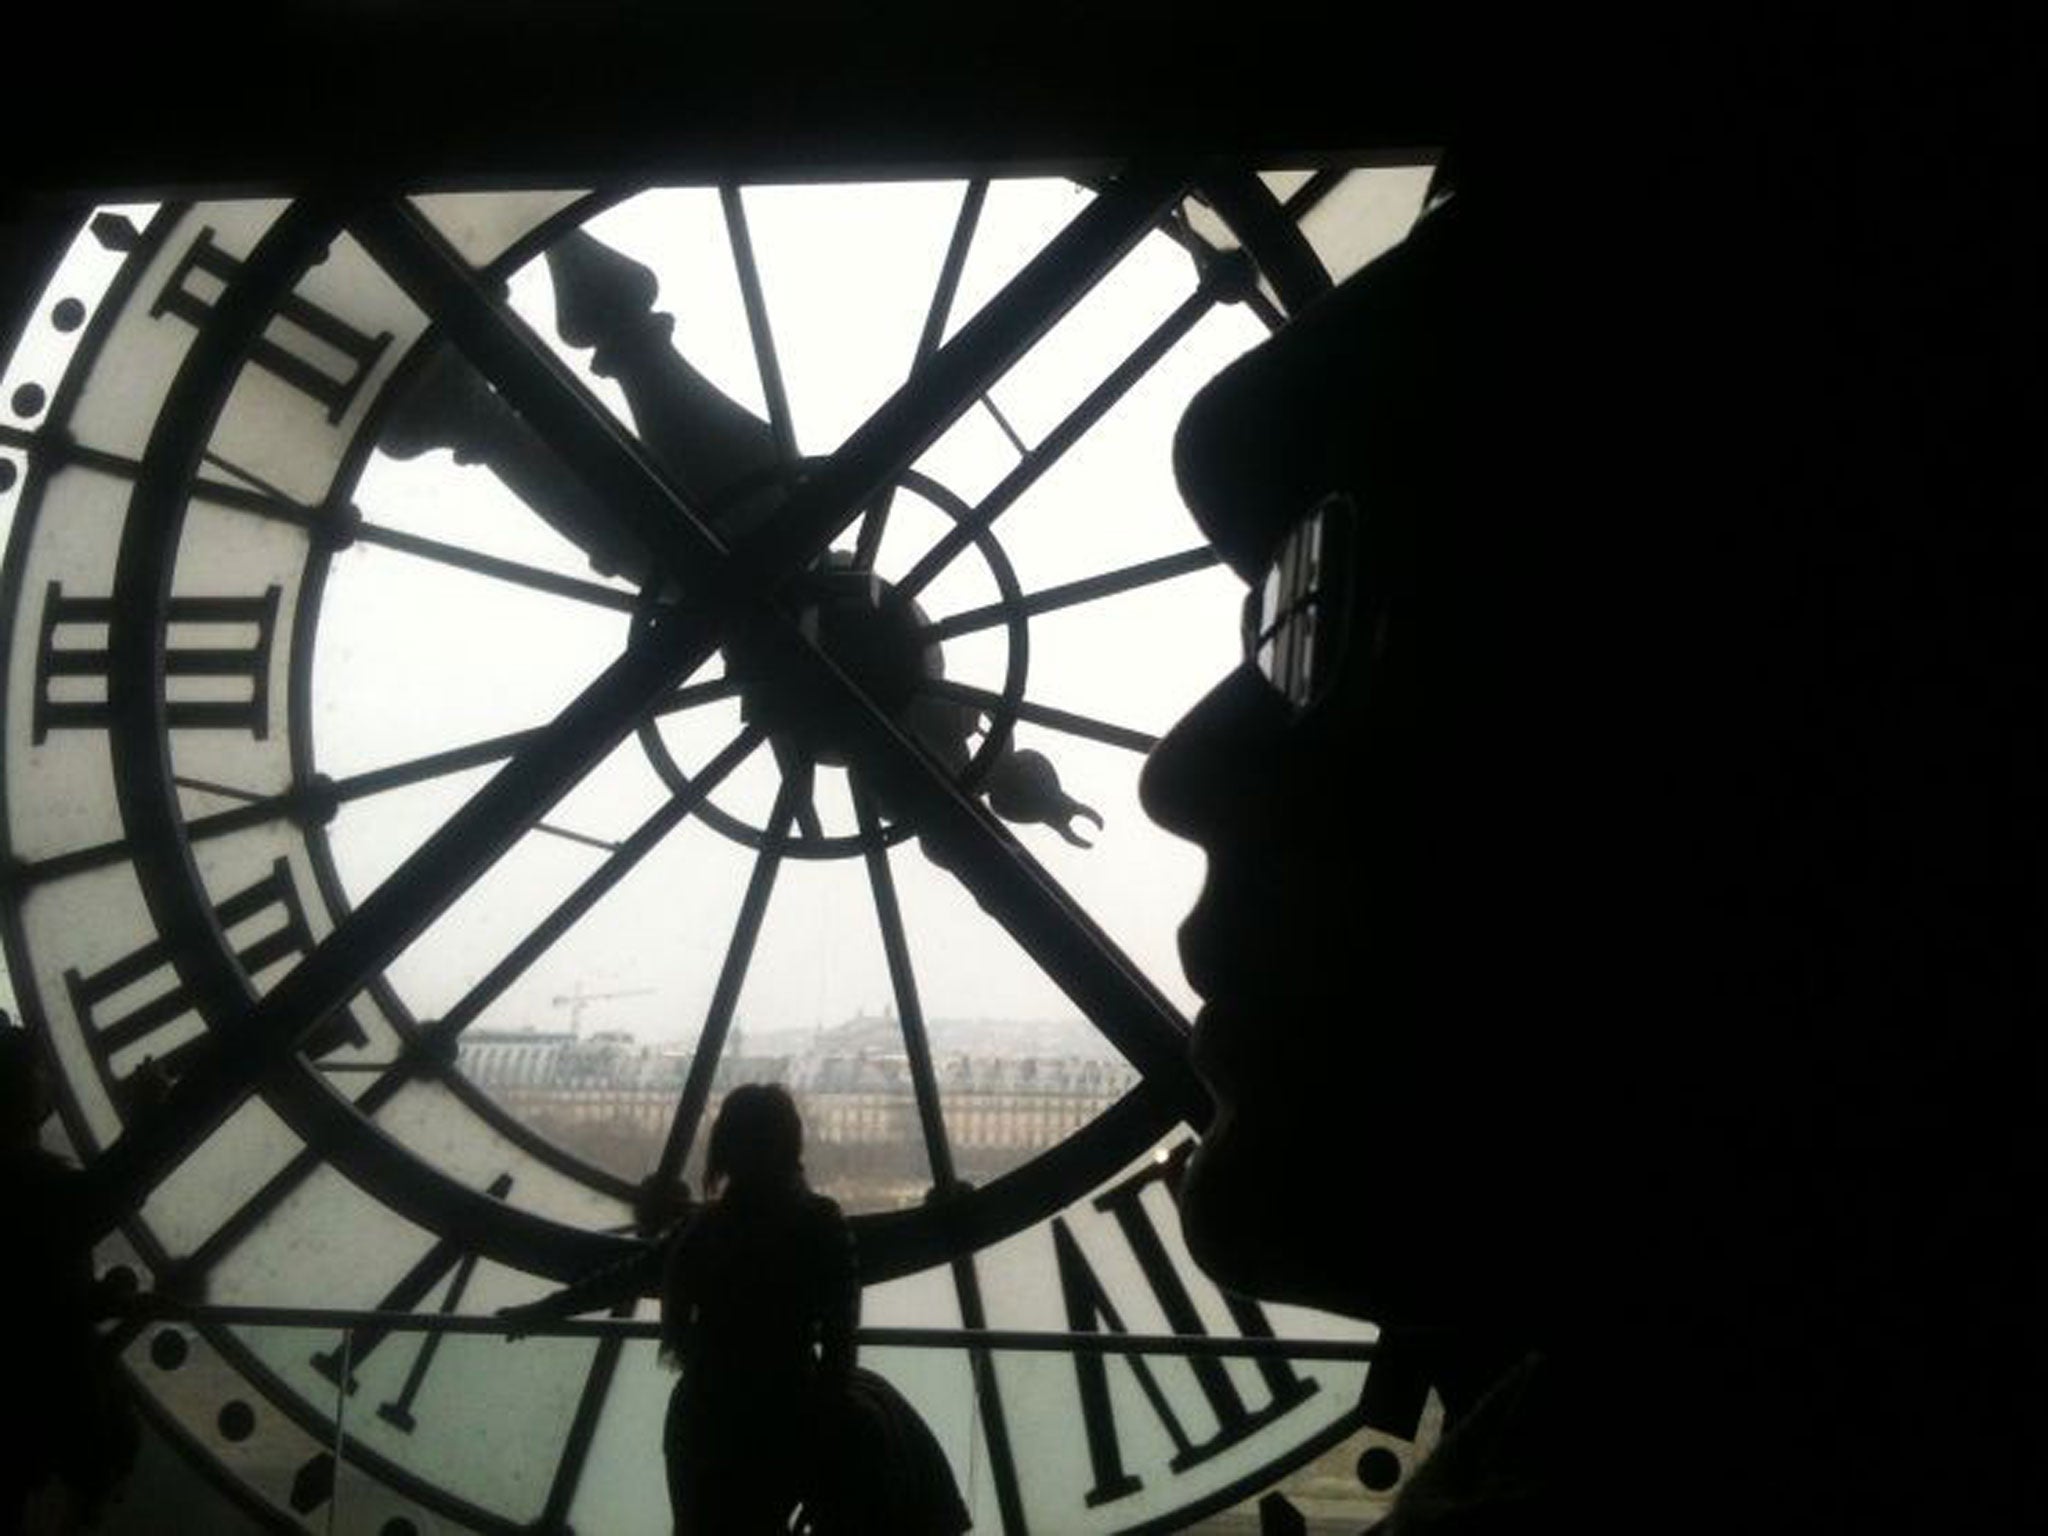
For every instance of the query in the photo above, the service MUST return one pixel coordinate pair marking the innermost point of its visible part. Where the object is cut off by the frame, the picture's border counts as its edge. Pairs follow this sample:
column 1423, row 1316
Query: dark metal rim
column 889, row 1234
column 328, row 1121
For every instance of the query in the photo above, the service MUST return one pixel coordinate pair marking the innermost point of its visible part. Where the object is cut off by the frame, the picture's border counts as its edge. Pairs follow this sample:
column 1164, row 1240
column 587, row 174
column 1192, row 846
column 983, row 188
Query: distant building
column 854, row 1083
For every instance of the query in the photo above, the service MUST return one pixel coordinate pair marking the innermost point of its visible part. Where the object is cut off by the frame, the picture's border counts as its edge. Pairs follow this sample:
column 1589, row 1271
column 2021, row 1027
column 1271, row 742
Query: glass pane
column 817, row 1014
column 482, row 225
column 512, row 898
column 1094, row 336
column 624, row 1487
column 414, row 657
column 1284, row 184
column 426, row 491
column 489, row 1420
column 116, row 408
column 1111, row 499
column 848, row 273
column 86, row 927
column 1366, row 214
column 1017, row 219
column 591, row 1049
column 428, row 1118
column 208, row 1187
column 54, row 329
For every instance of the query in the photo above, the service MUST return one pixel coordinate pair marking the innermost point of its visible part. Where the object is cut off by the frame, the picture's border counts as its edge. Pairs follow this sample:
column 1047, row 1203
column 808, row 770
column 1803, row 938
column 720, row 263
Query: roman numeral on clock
column 138, row 998
column 217, row 678
column 312, row 349
column 1090, row 1309
column 440, row 1262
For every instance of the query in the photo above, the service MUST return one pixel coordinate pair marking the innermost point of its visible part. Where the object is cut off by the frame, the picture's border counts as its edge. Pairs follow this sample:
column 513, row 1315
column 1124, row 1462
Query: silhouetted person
column 70, row 1435
column 759, row 1303
column 759, row 1299
column 1608, row 987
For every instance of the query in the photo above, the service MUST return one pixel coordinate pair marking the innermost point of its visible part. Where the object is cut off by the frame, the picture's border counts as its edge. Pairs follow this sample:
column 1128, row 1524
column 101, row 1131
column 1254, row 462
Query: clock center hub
column 871, row 632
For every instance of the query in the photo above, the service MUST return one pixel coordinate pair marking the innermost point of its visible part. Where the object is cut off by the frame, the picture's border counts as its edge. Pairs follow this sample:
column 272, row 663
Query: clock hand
column 709, row 445
column 445, row 403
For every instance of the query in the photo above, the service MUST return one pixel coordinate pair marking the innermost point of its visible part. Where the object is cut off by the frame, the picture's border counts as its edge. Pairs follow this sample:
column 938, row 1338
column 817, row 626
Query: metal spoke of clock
column 988, row 1395
column 326, row 795
column 1319, row 186
column 593, row 445
column 1043, row 714
column 1092, row 408
column 903, row 982
column 418, row 770
column 571, row 835
column 988, row 403
column 757, row 322
column 346, row 523
column 690, row 695
column 1089, row 588
column 875, row 522
column 1288, row 263
column 590, row 1405
column 479, row 564
column 800, row 772
column 229, row 792
column 725, row 995
column 224, row 791
column 309, row 801
column 938, row 1149
column 273, row 506
column 572, row 908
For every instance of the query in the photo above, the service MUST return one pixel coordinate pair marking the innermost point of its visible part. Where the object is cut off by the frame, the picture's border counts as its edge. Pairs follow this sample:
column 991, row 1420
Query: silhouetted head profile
column 757, row 1143
column 1396, row 1122
column 1604, row 945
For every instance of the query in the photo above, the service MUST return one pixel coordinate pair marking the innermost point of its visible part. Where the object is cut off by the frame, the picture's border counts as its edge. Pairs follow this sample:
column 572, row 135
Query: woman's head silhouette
column 757, row 1142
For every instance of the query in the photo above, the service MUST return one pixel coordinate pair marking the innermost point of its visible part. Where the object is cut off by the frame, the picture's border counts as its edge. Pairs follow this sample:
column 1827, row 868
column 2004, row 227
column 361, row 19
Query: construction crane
column 577, row 1000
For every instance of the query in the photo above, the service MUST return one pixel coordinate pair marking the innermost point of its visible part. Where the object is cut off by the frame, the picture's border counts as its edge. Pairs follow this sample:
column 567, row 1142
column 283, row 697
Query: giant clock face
column 736, row 615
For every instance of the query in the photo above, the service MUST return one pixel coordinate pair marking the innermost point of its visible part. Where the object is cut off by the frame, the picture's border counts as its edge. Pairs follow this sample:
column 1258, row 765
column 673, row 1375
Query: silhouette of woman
column 758, row 1306
column 759, row 1299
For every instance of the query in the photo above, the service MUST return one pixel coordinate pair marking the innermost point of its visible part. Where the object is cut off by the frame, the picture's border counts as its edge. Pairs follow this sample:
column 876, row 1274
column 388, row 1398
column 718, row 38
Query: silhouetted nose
column 1206, row 773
